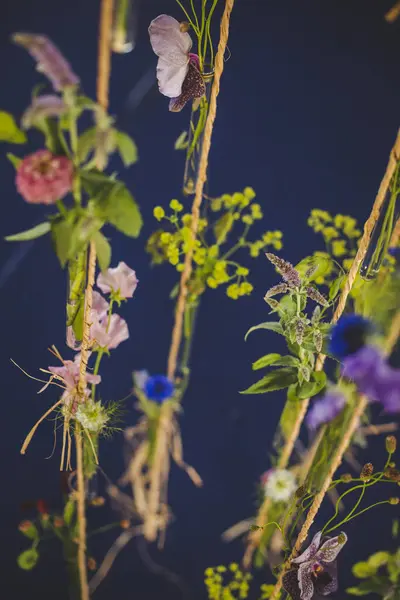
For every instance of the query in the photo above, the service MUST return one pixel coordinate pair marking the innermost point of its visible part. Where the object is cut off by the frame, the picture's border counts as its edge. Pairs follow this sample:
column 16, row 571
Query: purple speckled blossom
column 374, row 377
column 281, row 288
column 326, row 409
column 317, row 296
column 43, row 107
column 50, row 60
column 286, row 269
column 315, row 572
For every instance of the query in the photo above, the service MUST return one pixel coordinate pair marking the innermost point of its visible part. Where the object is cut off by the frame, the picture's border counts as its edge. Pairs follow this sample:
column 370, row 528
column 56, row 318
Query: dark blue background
column 307, row 115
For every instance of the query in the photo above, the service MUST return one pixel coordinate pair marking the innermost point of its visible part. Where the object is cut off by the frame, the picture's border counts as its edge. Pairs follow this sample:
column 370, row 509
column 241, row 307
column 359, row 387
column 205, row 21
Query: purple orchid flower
column 178, row 71
column 315, row 572
column 326, row 409
column 374, row 377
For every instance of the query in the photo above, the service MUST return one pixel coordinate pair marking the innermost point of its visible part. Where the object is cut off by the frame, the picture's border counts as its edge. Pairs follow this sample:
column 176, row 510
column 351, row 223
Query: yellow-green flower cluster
column 340, row 233
column 213, row 267
column 217, row 589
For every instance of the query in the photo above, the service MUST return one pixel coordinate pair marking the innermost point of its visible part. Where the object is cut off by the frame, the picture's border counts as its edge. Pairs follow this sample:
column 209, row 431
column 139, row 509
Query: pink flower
column 43, row 178
column 69, row 373
column 121, row 281
column 109, row 333
column 178, row 73
column 99, row 305
column 50, row 60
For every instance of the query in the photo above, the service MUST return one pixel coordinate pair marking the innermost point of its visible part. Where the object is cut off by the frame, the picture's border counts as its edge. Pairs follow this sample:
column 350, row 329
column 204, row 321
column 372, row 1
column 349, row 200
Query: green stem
column 359, row 513
column 62, row 209
column 96, row 370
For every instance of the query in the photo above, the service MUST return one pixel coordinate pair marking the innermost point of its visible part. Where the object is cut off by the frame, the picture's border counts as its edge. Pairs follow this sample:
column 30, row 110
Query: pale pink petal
column 121, row 279
column 99, row 305
column 168, row 41
column 170, row 78
column 117, row 332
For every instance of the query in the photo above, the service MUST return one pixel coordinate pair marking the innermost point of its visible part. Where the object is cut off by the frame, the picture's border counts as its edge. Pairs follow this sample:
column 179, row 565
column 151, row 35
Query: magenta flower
column 374, row 377
column 69, row 373
column 109, row 333
column 326, row 409
column 50, row 60
column 178, row 72
column 43, row 178
column 121, row 281
column 315, row 571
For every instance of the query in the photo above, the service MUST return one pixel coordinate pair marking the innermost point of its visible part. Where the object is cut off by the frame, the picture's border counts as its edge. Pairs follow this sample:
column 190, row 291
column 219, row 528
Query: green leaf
column 96, row 184
column 222, row 227
column 69, row 511
column 336, row 286
column 355, row 591
column 15, row 160
column 323, row 262
column 120, row 209
column 265, row 361
column 378, row 559
column 28, row 559
column 174, row 292
column 311, row 388
column 30, row 234
column 62, row 234
column 126, row 148
column 103, row 250
column 182, row 142
column 275, row 380
column 9, row 130
column 270, row 325
column 86, row 143
column 290, row 412
column 363, row 569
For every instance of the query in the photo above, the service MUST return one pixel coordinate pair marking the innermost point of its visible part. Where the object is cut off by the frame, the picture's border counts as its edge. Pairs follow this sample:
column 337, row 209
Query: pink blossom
column 43, row 178
column 69, row 373
column 120, row 280
column 109, row 333
column 99, row 305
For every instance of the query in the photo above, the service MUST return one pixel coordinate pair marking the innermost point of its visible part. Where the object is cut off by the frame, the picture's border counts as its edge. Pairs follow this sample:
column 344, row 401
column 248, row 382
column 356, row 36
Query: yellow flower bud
column 159, row 213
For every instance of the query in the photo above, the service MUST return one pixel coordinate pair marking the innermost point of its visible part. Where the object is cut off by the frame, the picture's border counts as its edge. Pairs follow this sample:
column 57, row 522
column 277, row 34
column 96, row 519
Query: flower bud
column 301, row 491
column 342, row 538
column 25, row 526
column 366, row 472
column 391, row 444
column 91, row 564
column 394, row 501
column 346, row 478
column 58, row 522
column 125, row 524
column 98, row 501
column 392, row 474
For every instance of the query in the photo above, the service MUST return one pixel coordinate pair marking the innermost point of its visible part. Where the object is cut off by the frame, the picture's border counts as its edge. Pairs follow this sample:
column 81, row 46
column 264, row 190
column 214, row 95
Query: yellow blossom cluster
column 238, row 587
column 214, row 267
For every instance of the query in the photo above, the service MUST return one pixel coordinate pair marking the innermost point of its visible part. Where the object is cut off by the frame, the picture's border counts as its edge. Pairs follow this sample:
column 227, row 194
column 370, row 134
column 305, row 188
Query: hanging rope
column 103, row 78
column 254, row 537
column 391, row 340
column 164, row 428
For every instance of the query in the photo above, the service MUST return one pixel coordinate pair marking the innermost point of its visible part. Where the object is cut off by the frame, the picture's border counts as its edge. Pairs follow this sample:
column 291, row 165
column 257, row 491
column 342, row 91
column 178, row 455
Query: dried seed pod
column 366, row 472
column 391, row 444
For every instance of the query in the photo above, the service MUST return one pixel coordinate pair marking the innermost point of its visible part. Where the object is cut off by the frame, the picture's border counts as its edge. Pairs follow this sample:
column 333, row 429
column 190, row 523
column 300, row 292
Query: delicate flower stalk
column 49, row 60
column 286, row 270
column 315, row 295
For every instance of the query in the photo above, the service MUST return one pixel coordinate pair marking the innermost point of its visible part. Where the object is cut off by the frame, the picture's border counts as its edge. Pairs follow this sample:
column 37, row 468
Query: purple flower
column 109, row 333
column 315, row 571
column 348, row 335
column 158, row 388
column 121, row 281
column 43, row 107
column 374, row 377
column 286, row 269
column 326, row 409
column 178, row 73
column 69, row 373
column 50, row 60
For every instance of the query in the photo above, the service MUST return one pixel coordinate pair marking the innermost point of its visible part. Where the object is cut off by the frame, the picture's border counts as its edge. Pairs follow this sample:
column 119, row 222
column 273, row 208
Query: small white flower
column 280, row 485
column 91, row 415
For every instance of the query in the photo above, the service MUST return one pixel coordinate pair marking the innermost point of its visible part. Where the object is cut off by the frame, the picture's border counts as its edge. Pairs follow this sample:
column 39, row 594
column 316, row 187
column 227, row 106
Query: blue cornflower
column 158, row 388
column 349, row 335
column 395, row 252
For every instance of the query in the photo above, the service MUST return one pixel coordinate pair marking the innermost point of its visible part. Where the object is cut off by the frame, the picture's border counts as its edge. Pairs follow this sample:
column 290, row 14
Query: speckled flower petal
column 193, row 87
column 310, row 551
column 305, row 579
column 291, row 585
column 332, row 586
column 330, row 549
